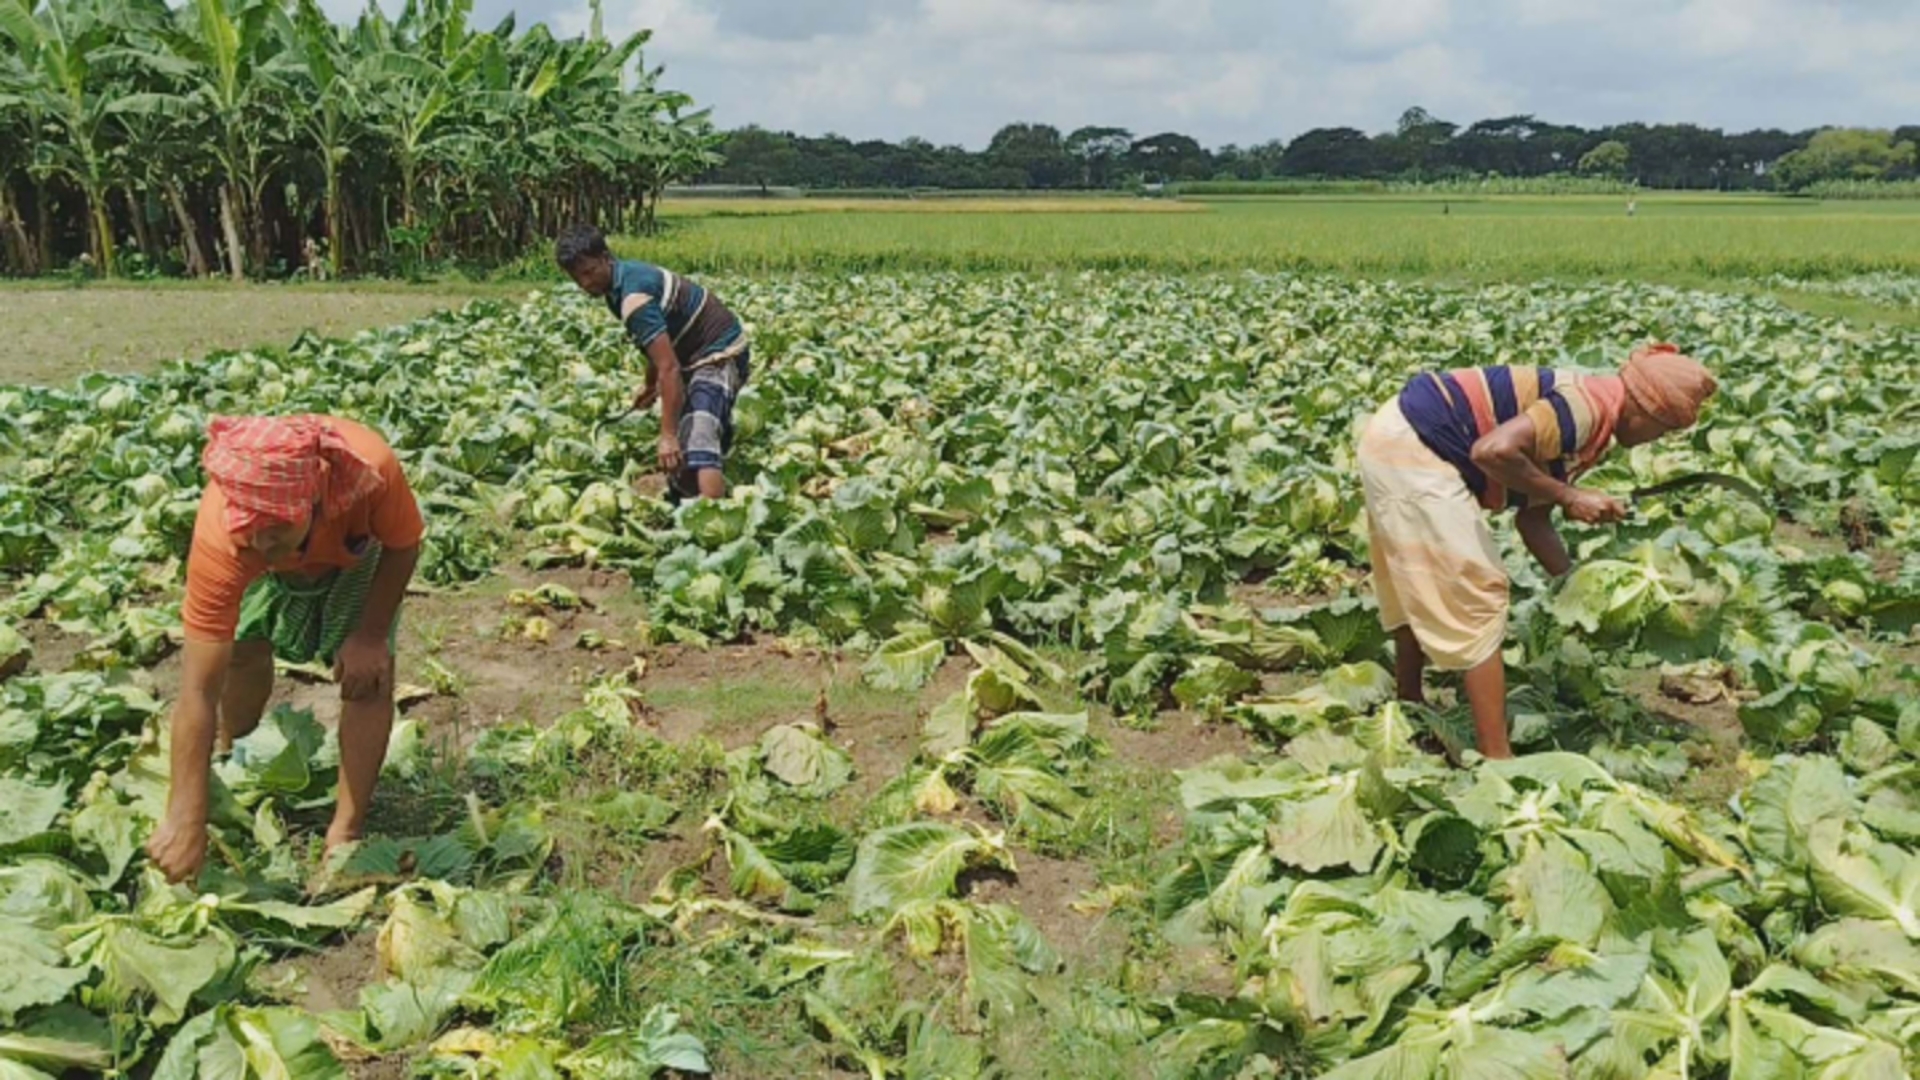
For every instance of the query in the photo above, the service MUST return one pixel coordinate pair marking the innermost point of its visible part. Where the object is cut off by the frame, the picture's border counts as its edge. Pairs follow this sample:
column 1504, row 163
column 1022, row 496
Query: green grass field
column 1673, row 237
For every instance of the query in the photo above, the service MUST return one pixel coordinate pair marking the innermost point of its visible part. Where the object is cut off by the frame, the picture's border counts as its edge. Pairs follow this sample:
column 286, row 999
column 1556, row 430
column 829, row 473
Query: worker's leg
column 366, row 724
column 366, row 721
column 249, row 685
column 1410, row 666
column 706, row 429
column 1487, row 694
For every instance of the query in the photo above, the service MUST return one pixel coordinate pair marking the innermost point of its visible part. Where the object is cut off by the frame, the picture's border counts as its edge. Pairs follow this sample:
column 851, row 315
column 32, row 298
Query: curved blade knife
column 1739, row 487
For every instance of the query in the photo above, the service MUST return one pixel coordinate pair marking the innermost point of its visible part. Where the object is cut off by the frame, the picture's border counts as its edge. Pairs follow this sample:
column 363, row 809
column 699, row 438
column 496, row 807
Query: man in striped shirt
column 1455, row 445
column 696, row 350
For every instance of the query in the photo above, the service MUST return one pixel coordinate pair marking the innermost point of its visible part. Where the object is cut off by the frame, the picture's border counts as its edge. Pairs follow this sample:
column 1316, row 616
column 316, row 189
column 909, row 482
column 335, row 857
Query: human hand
column 178, row 846
column 363, row 667
column 1594, row 507
column 672, row 460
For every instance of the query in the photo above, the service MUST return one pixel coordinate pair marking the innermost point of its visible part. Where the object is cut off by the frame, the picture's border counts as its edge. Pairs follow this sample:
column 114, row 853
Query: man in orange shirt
column 306, row 539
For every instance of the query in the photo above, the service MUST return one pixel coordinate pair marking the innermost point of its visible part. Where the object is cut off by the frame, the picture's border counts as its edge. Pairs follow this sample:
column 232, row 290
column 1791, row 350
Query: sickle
column 1733, row 484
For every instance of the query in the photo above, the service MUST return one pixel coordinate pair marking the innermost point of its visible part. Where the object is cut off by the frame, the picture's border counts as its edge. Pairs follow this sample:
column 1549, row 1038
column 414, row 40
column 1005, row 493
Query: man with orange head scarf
column 1456, row 445
column 306, row 539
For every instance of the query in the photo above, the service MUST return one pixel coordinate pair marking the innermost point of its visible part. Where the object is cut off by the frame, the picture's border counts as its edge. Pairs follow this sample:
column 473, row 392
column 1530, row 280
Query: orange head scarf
column 1667, row 385
column 276, row 469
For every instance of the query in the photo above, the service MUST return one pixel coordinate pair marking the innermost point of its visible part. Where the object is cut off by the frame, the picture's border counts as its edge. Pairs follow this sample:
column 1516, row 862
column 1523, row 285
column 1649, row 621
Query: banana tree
column 667, row 150
column 431, row 71
column 575, row 132
column 328, row 82
column 215, row 53
column 213, row 107
column 58, row 82
column 16, row 141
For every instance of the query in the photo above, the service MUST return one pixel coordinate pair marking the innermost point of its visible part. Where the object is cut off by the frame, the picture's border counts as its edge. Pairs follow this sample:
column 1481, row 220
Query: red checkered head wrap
column 276, row 469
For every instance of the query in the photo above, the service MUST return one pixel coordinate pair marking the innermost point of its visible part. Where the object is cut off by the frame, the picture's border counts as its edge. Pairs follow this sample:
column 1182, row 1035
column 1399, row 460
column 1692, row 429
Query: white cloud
column 1250, row 70
column 1385, row 24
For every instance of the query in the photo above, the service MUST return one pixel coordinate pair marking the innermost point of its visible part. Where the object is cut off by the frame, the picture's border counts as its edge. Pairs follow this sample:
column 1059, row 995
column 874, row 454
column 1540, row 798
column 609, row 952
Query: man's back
column 651, row 301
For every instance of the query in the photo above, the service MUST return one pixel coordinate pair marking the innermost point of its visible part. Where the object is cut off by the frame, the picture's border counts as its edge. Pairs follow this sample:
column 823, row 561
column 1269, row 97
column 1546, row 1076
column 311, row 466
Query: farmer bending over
column 306, row 539
column 696, row 354
column 1456, row 443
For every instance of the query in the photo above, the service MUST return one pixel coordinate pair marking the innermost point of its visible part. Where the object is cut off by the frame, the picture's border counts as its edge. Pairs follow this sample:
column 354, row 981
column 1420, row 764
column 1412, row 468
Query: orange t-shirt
column 218, row 572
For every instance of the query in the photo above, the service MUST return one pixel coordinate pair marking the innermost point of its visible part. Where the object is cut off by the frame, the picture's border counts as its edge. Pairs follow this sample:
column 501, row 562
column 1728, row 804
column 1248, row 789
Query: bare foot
column 340, row 836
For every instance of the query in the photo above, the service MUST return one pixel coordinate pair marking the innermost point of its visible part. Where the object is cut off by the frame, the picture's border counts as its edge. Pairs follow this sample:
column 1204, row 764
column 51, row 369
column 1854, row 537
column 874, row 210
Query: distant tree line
column 1421, row 147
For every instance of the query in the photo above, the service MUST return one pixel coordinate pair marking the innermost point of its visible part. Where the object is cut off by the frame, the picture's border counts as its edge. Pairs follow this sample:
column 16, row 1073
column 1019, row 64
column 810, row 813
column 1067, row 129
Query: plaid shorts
column 706, row 422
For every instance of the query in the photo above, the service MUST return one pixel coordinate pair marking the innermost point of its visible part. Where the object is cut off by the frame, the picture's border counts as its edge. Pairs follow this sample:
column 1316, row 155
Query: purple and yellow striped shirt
column 1573, row 418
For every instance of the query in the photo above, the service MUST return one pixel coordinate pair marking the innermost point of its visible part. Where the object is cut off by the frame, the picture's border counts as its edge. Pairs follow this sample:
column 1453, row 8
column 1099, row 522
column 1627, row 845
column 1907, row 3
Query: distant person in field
column 306, row 539
column 697, row 355
column 1456, row 445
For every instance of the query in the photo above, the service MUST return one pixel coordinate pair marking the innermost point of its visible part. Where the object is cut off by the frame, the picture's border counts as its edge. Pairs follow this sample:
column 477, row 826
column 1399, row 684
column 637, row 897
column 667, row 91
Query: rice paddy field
column 1677, row 236
column 1024, row 711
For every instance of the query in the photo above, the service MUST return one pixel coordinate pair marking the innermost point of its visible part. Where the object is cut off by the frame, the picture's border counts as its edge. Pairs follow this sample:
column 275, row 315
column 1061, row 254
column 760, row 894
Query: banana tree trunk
column 189, row 233
column 24, row 258
column 42, row 226
column 407, row 179
column 253, row 216
column 100, row 224
column 336, row 229
column 142, row 235
column 230, row 228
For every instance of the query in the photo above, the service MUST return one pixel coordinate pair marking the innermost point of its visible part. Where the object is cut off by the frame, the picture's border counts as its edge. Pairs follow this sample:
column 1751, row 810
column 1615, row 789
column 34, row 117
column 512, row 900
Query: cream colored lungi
column 1435, row 566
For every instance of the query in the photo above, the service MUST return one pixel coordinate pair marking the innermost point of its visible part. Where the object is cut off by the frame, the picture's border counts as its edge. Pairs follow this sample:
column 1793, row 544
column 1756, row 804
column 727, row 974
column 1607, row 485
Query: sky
column 1245, row 71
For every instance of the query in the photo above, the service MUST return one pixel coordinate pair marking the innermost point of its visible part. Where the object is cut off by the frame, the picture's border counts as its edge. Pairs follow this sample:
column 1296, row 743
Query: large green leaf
column 906, row 662
column 137, row 968
column 279, row 757
column 237, row 1043
column 1327, row 829
column 799, row 757
column 1004, row 951
column 33, row 968
column 920, row 860
column 1854, row 875
column 27, row 809
column 1554, row 892
column 57, row 1041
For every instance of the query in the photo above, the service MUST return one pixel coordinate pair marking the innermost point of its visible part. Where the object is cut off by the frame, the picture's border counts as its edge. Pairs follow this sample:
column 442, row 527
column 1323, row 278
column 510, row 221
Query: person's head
column 275, row 541
column 582, row 252
column 1665, row 391
column 278, row 475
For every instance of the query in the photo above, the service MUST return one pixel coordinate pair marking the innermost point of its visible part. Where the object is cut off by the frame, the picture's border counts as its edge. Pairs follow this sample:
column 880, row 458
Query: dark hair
column 578, row 244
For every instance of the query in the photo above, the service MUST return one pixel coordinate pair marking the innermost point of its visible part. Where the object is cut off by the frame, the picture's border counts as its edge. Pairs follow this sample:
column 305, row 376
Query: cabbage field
column 1103, row 777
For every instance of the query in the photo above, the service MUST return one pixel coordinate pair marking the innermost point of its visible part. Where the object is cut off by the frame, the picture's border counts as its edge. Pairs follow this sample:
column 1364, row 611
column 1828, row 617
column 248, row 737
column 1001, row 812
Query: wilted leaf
column 920, row 860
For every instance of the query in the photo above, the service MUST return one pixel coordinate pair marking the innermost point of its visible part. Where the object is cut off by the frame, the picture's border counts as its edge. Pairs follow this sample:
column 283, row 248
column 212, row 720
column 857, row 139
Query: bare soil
column 1045, row 890
column 1180, row 740
column 331, row 981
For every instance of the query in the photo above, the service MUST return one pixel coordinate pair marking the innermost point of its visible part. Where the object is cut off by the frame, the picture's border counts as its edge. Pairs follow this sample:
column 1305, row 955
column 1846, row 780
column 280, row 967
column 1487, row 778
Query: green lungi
column 309, row 621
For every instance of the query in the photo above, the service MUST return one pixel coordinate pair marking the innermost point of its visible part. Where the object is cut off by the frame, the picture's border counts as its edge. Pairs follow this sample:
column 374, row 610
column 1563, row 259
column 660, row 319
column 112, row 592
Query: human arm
column 664, row 366
column 1543, row 540
column 178, row 846
column 362, row 666
column 1507, row 454
column 646, row 323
